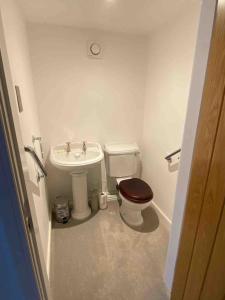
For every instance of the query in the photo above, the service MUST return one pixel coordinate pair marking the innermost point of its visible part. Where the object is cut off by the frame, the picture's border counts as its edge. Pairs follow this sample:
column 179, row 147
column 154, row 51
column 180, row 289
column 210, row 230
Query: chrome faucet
column 68, row 148
column 84, row 147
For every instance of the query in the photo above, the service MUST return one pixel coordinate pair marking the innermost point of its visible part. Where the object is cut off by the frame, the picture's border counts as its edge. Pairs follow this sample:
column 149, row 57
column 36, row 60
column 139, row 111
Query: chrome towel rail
column 169, row 157
column 36, row 159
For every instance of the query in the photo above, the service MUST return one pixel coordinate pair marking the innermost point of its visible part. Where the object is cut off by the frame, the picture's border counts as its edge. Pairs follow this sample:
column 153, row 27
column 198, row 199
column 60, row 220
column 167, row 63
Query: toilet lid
column 135, row 190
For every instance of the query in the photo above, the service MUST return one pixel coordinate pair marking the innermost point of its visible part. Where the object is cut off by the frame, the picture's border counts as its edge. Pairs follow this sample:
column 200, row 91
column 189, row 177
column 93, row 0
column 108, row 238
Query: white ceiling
column 129, row 16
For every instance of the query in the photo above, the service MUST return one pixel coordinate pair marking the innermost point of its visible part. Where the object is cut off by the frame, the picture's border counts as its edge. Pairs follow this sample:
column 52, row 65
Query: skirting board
column 48, row 261
column 163, row 218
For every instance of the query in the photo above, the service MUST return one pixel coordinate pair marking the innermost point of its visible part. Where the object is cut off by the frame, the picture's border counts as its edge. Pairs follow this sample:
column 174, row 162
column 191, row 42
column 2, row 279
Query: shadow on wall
column 34, row 188
column 58, row 182
column 173, row 166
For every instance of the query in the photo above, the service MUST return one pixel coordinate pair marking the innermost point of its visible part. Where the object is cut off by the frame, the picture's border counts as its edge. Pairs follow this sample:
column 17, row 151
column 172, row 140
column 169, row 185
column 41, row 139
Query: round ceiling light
column 95, row 49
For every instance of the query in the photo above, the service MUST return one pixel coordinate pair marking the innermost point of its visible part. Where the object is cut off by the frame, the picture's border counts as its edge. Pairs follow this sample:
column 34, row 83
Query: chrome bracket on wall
column 39, row 139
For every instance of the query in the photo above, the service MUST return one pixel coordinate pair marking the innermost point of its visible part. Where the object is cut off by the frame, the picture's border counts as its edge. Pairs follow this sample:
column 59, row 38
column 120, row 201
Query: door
column 216, row 268
column 17, row 276
column 200, row 267
column 24, row 184
column 10, row 125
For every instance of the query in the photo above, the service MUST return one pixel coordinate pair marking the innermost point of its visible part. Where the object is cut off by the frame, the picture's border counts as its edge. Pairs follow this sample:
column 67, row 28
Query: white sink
column 76, row 159
column 77, row 162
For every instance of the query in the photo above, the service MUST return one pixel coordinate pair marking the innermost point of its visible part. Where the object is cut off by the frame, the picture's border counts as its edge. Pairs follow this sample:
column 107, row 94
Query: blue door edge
column 18, row 273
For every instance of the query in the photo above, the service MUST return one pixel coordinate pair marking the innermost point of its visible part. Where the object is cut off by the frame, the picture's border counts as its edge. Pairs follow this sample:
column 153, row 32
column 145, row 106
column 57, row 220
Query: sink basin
column 76, row 159
column 77, row 163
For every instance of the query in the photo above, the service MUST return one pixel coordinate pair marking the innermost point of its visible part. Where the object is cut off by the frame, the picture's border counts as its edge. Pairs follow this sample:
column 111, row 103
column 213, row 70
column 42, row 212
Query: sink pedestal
column 81, row 210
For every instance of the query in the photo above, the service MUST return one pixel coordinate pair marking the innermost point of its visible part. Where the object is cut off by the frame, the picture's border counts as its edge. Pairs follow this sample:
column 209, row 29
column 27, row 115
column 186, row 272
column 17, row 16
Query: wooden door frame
column 209, row 118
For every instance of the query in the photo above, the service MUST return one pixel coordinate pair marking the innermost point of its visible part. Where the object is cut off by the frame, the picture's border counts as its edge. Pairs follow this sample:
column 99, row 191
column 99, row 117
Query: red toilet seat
column 135, row 190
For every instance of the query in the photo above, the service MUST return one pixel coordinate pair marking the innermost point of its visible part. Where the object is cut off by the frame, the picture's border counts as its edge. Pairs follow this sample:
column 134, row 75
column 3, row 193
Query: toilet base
column 131, row 212
column 133, row 218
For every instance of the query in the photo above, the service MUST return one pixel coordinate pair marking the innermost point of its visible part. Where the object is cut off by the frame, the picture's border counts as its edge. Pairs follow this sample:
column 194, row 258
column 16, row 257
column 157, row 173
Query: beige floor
column 103, row 258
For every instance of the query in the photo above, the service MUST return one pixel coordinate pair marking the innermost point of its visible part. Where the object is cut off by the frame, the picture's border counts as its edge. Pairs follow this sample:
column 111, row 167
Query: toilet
column 136, row 194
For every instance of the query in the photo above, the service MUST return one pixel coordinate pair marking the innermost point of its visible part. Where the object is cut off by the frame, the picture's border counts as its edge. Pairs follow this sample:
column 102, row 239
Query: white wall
column 194, row 103
column 170, row 60
column 18, row 53
column 79, row 97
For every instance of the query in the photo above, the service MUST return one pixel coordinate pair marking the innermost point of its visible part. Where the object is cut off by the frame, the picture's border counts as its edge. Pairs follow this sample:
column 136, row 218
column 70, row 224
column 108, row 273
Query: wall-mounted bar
column 169, row 157
column 36, row 159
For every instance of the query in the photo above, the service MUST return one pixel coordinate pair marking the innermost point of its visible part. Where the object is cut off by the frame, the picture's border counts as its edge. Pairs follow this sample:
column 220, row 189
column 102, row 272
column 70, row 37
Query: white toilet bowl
column 136, row 196
column 131, row 212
